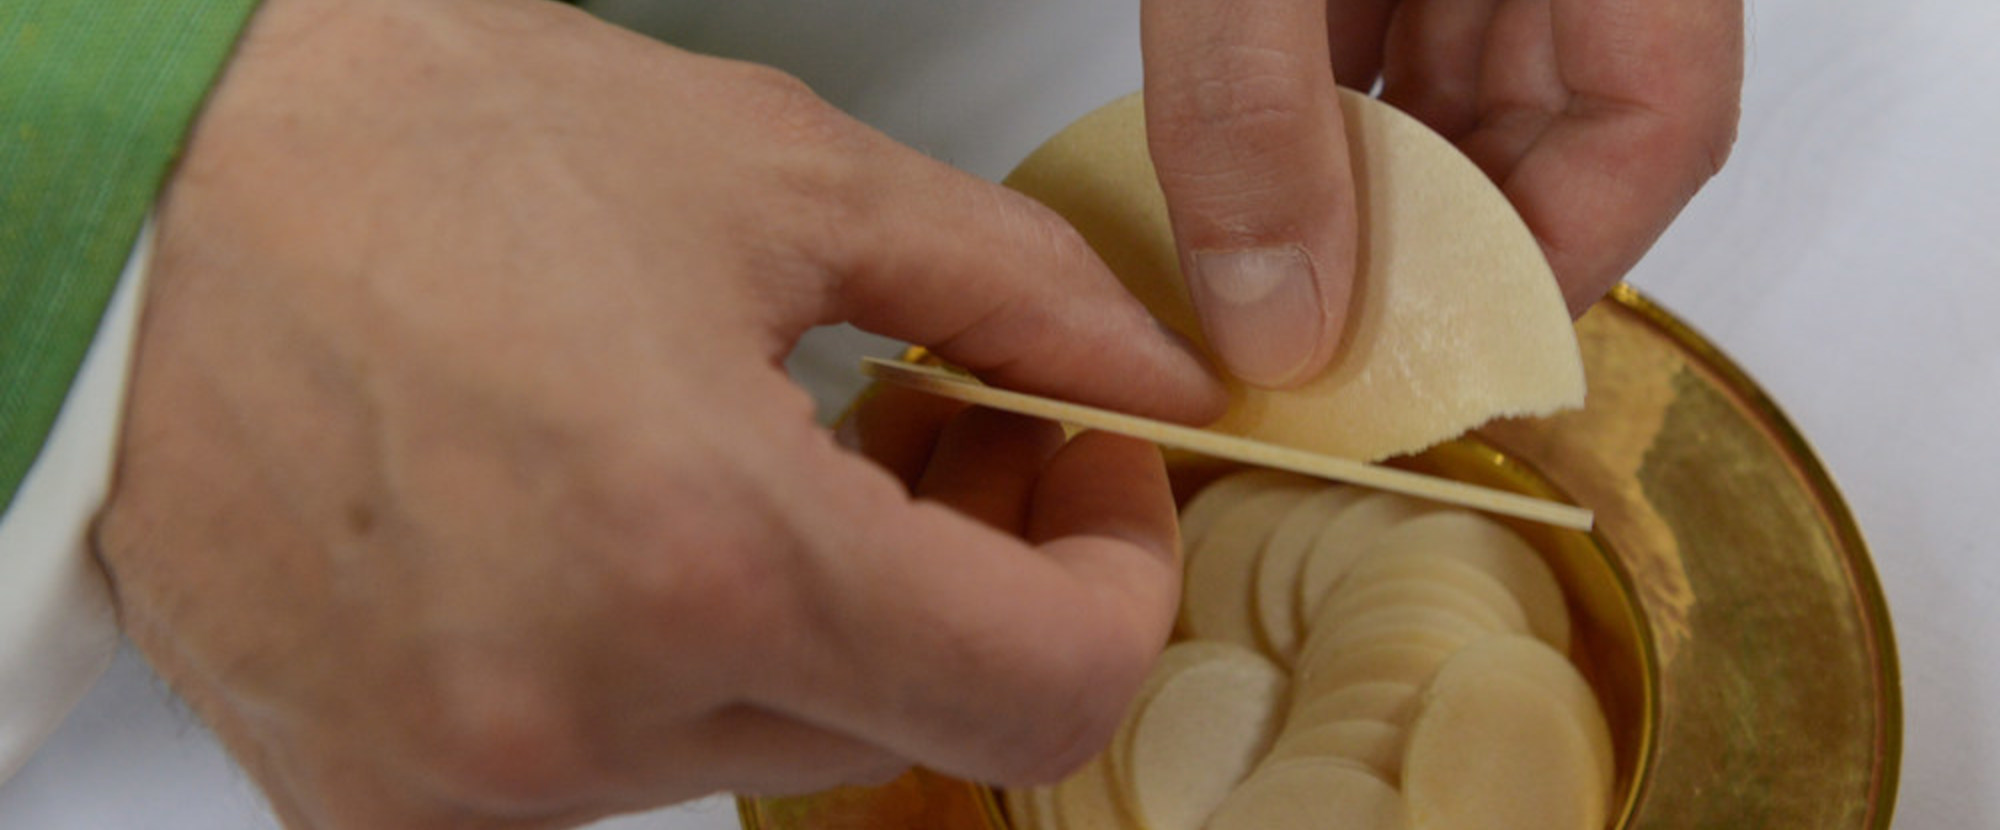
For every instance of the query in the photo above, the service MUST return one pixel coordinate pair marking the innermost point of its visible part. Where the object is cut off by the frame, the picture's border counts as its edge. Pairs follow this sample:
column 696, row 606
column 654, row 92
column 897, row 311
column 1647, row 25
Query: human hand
column 1599, row 120
column 462, row 487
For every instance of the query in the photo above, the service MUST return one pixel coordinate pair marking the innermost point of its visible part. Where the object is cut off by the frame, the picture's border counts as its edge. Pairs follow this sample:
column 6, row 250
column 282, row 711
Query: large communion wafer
column 1456, row 318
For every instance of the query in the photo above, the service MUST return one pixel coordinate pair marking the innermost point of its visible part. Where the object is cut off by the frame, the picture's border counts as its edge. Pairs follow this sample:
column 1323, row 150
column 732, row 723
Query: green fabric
column 95, row 100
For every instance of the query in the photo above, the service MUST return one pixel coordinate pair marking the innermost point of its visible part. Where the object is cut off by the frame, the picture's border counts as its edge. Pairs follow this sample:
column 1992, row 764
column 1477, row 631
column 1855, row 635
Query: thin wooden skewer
column 945, row 384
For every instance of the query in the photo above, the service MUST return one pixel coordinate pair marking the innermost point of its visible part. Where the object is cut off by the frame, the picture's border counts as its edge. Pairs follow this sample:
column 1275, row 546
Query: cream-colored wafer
column 1356, row 599
column 1457, row 318
column 1177, row 657
column 1377, row 745
column 1030, row 808
column 1221, row 569
column 1495, row 746
column 1274, row 602
column 1088, row 800
column 1198, row 736
column 1387, row 701
column 1391, row 561
column 1536, row 661
column 1413, row 663
column 1342, row 543
column 1308, row 794
column 1225, row 492
column 1489, row 546
column 1423, row 622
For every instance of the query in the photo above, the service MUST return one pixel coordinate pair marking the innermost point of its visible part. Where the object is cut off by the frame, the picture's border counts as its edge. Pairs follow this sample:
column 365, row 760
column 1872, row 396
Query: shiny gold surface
column 1732, row 621
column 919, row 799
column 1779, row 698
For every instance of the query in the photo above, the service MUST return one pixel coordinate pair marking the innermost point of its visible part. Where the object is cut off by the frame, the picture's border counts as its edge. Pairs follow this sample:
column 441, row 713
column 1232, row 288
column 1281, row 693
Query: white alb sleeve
column 58, row 629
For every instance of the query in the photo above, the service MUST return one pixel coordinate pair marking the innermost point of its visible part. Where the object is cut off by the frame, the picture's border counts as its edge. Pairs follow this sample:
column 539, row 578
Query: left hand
column 461, row 485
column 1598, row 118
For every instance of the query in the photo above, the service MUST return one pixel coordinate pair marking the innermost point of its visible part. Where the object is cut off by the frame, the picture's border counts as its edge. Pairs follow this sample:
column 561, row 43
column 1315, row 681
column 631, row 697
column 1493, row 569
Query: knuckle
column 1056, row 748
column 772, row 81
column 687, row 540
column 1080, row 713
column 496, row 739
column 681, row 549
column 1695, row 150
column 818, row 160
column 1718, row 141
column 1696, row 136
column 1040, row 233
column 790, row 112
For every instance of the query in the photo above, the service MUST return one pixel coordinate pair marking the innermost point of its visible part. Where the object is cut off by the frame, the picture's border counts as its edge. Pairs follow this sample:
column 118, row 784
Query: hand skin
column 461, row 485
column 1599, row 119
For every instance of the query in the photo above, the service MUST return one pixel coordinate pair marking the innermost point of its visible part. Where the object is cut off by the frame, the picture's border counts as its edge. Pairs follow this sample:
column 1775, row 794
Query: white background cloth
column 1849, row 259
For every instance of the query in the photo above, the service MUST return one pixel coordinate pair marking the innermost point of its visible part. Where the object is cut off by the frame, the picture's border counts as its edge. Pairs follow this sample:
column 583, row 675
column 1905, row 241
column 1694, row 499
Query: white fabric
column 1846, row 258
column 57, row 627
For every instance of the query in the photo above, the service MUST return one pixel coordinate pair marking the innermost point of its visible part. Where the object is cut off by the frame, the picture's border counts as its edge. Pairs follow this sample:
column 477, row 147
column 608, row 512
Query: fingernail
column 1261, row 310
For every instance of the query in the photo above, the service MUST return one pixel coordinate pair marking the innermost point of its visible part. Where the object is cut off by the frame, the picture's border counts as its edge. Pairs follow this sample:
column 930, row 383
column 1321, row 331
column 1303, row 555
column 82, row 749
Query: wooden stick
column 945, row 384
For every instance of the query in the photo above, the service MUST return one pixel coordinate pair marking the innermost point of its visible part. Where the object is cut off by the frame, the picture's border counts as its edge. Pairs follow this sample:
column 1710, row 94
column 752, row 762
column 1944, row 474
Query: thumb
column 1245, row 130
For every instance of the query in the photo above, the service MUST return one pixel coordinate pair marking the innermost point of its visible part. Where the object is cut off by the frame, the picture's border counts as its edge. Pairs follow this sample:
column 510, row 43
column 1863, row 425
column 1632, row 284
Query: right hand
column 1599, row 119
column 462, row 486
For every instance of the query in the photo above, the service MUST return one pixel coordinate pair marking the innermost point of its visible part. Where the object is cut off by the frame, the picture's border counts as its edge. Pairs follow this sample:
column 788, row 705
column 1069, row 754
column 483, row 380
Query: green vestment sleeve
column 96, row 97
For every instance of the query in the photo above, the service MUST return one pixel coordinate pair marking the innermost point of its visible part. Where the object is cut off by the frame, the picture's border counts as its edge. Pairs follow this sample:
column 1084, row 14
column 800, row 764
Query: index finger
column 995, row 282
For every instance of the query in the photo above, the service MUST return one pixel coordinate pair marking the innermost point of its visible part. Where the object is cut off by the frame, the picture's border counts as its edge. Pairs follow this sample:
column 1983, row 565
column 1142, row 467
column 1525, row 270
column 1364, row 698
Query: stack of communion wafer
column 1349, row 659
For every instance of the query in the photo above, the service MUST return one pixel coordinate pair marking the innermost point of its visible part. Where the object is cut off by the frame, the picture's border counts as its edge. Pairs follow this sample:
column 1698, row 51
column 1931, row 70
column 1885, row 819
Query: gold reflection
column 1778, row 701
column 1602, row 448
